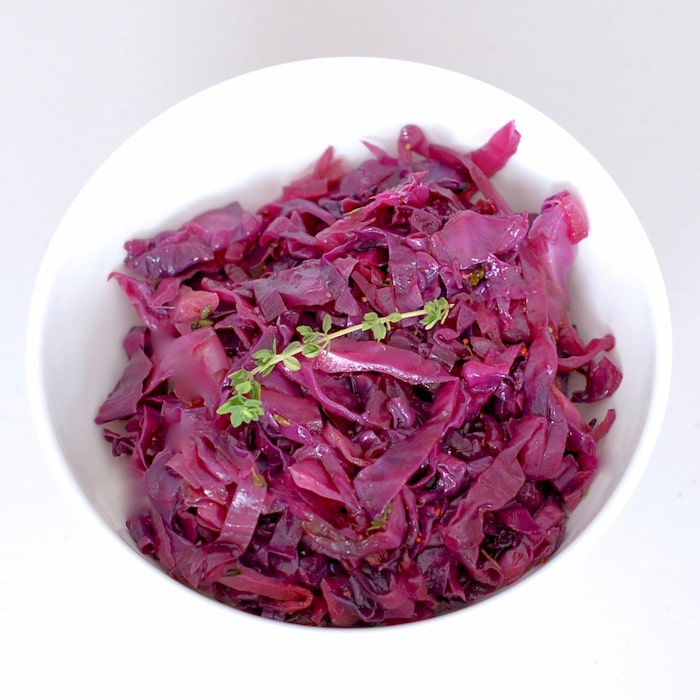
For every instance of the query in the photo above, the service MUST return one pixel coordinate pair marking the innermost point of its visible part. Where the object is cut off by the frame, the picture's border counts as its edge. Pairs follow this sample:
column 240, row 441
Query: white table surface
column 78, row 77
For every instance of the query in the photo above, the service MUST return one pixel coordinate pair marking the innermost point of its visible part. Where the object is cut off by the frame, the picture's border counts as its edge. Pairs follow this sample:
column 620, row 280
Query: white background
column 77, row 78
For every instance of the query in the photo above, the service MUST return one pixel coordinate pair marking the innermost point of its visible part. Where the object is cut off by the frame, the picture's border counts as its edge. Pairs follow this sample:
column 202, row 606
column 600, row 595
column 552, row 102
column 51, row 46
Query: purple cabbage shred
column 387, row 481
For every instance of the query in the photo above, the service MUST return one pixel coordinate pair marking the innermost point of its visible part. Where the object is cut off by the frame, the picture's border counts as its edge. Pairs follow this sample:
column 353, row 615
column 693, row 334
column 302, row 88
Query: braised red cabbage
column 386, row 481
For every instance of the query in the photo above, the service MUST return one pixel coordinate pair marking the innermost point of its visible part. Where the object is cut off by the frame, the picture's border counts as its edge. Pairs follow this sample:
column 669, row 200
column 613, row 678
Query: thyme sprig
column 244, row 404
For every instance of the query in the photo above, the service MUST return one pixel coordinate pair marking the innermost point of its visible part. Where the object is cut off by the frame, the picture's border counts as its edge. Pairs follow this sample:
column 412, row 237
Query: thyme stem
column 245, row 406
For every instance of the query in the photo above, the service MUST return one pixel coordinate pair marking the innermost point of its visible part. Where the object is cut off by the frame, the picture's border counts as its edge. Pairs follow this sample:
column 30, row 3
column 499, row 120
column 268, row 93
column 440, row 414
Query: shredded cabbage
column 385, row 482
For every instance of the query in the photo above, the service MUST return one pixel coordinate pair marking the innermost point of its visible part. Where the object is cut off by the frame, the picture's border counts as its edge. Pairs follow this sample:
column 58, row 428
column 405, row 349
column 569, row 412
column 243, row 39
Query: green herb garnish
column 244, row 404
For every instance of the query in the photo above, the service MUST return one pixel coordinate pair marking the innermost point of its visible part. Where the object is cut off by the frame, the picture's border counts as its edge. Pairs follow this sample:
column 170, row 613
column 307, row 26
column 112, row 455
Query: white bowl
column 246, row 137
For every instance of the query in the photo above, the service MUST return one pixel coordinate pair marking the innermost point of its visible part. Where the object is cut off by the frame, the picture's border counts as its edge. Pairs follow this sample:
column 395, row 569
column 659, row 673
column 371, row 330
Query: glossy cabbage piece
column 386, row 482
